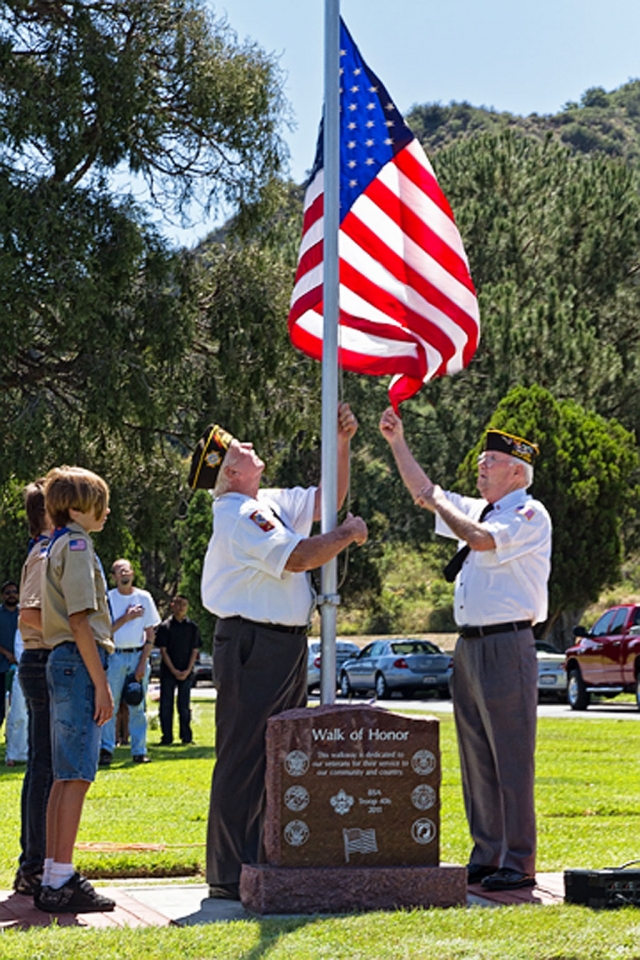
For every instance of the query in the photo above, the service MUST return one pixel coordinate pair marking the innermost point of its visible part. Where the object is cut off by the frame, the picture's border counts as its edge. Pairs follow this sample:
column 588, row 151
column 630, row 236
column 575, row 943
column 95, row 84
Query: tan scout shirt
column 73, row 581
column 31, row 593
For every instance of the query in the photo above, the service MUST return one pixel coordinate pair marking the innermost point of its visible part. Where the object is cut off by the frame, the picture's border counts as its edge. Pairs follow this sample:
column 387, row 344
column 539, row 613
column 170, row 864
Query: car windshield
column 414, row 646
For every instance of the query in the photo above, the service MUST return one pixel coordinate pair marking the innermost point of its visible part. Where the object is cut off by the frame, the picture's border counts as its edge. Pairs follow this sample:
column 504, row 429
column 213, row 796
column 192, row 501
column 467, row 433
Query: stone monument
column 353, row 815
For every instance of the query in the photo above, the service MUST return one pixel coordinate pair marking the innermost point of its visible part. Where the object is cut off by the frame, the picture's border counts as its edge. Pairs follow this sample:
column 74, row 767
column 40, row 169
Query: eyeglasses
column 490, row 460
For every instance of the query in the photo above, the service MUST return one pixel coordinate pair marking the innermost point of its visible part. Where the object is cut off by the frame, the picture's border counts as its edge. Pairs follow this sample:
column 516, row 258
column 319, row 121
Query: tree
column 587, row 477
column 554, row 246
column 98, row 314
column 156, row 85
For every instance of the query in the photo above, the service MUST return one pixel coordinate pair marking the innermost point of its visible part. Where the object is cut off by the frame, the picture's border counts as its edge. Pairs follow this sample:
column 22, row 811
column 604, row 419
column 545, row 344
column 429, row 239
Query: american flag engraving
column 359, row 841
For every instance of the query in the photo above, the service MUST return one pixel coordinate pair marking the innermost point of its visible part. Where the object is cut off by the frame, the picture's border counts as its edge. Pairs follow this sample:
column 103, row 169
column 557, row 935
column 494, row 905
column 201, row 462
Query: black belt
column 470, row 633
column 129, row 649
column 278, row 627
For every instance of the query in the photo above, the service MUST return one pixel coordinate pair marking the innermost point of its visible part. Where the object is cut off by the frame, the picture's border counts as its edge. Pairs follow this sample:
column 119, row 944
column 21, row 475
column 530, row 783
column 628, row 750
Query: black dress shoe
column 224, row 891
column 478, row 871
column 141, row 758
column 506, row 879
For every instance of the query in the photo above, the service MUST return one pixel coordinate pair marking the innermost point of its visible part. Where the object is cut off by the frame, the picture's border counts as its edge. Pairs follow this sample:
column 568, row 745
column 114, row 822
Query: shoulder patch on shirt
column 527, row 512
column 261, row 521
column 77, row 543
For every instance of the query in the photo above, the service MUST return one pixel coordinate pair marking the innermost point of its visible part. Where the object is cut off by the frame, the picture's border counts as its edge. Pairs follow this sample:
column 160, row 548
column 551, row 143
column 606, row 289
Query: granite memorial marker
column 356, row 786
column 353, row 815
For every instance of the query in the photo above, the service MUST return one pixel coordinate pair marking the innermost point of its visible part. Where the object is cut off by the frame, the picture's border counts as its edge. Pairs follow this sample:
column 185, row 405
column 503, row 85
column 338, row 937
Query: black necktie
column 452, row 569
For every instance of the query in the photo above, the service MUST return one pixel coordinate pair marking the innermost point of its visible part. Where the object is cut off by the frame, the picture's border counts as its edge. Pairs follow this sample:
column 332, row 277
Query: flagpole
column 329, row 579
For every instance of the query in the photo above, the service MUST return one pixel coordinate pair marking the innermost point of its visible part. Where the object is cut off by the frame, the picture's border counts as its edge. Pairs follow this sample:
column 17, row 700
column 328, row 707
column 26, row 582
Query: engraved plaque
column 352, row 786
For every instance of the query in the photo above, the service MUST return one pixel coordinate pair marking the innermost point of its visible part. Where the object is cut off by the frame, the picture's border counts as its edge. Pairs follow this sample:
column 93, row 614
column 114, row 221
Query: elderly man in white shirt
column 501, row 572
column 255, row 581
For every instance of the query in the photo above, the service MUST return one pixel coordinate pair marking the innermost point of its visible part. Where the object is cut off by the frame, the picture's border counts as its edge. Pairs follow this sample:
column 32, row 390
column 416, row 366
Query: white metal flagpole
column 329, row 579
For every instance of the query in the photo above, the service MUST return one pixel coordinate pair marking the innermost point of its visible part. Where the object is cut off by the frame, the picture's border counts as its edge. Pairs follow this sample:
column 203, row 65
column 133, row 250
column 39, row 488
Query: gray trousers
column 258, row 673
column 495, row 701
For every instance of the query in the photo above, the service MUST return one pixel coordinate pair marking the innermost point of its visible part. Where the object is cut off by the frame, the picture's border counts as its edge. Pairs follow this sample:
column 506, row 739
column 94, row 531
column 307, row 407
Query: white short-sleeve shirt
column 244, row 567
column 508, row 583
column 131, row 633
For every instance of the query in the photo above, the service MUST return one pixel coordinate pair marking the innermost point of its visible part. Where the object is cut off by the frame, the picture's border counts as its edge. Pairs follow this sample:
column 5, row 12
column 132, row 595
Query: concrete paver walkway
column 161, row 905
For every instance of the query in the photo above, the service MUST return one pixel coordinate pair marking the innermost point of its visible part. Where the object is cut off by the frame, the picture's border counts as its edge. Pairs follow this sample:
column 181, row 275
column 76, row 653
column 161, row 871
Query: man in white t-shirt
column 255, row 581
column 135, row 617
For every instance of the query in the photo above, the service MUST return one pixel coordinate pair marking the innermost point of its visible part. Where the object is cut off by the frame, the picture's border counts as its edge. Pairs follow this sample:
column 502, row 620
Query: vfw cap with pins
column 208, row 456
column 515, row 446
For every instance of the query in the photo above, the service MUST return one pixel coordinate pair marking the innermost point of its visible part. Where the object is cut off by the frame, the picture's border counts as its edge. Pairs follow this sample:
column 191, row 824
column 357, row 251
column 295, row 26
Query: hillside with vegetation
column 608, row 123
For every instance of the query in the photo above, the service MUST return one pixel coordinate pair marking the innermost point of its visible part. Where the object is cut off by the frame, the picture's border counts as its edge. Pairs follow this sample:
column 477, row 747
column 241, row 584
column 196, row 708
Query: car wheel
column 346, row 689
column 577, row 694
column 382, row 687
column 638, row 691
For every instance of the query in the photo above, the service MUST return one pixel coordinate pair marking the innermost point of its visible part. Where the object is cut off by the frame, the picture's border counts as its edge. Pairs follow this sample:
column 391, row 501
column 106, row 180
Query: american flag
column 408, row 307
column 359, row 841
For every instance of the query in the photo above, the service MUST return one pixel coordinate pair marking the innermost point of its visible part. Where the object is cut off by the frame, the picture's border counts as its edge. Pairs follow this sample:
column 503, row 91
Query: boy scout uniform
column 73, row 582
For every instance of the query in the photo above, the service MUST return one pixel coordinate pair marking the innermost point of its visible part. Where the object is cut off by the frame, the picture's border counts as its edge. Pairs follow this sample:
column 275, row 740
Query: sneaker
column 141, row 758
column 27, row 884
column 75, row 896
column 105, row 758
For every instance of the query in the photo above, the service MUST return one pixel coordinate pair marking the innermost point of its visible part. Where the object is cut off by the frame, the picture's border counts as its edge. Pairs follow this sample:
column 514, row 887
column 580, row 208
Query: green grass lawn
column 588, row 800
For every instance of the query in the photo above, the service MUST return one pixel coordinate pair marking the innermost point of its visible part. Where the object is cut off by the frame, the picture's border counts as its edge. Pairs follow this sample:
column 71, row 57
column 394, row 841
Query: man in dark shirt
column 8, row 626
column 178, row 640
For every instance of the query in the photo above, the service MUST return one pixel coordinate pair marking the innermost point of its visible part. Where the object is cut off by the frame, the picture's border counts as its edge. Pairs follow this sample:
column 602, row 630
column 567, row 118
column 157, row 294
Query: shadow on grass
column 272, row 930
column 161, row 753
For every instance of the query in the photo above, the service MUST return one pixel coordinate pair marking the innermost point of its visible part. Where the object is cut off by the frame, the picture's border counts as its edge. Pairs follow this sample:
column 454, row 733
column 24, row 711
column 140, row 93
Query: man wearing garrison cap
column 255, row 581
column 501, row 571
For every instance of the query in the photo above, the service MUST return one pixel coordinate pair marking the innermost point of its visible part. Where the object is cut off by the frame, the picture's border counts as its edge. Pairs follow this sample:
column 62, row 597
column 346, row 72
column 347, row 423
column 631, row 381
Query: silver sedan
column 405, row 665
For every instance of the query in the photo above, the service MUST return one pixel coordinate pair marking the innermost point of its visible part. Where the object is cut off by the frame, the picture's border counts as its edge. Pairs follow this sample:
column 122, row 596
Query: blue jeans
column 36, row 786
column 75, row 735
column 120, row 664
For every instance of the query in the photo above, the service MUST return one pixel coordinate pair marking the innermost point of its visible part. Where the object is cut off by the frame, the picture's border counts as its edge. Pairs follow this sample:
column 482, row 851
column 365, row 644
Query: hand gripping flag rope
column 408, row 306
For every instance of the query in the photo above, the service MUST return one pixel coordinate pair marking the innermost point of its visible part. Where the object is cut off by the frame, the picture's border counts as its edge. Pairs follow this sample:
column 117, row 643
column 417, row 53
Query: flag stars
column 355, row 89
column 370, row 123
column 371, row 106
column 353, row 183
column 352, row 164
column 369, row 161
column 369, row 143
column 389, row 106
column 357, row 71
column 351, row 144
column 352, row 126
column 353, row 106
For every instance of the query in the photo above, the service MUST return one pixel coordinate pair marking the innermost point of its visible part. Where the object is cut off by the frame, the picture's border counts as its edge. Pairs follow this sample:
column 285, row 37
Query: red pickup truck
column 606, row 659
